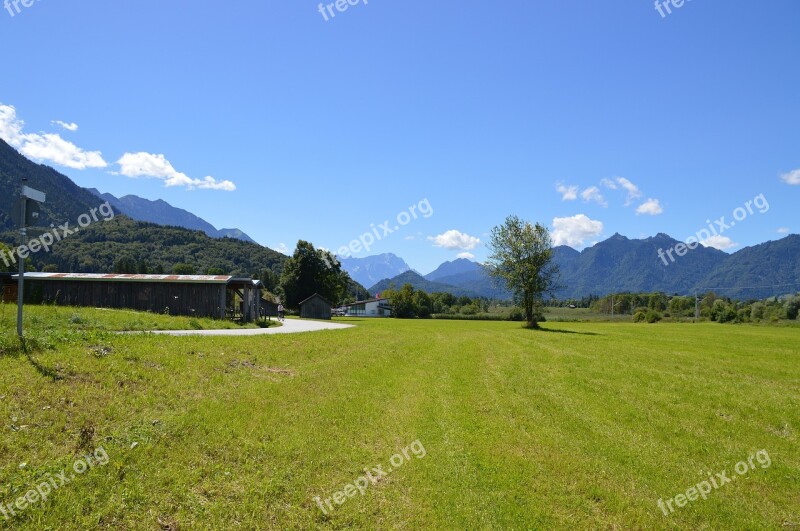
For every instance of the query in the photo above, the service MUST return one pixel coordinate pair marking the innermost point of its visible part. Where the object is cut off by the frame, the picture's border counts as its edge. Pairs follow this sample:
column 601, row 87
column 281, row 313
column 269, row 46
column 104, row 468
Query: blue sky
column 266, row 117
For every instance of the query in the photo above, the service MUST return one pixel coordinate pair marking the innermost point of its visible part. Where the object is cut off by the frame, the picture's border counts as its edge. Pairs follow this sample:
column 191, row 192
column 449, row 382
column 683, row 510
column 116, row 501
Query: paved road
column 290, row 326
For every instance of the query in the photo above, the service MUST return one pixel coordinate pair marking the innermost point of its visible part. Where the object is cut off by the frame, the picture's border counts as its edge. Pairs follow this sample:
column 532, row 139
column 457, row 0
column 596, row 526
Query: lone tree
column 311, row 271
column 521, row 258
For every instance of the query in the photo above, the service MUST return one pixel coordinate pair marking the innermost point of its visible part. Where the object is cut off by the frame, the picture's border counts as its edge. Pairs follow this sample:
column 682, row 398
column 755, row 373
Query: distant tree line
column 583, row 302
column 126, row 246
column 653, row 307
column 410, row 303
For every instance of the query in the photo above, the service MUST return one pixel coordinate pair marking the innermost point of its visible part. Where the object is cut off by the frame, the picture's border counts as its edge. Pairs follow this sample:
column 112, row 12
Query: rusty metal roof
column 94, row 277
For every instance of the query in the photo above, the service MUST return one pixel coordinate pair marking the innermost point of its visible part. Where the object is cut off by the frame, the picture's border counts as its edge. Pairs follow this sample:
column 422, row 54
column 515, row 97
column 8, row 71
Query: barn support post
column 247, row 305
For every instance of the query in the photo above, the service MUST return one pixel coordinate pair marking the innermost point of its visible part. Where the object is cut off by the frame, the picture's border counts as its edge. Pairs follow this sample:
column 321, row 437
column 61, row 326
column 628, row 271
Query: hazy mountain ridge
column 456, row 267
column 372, row 269
column 162, row 213
column 421, row 283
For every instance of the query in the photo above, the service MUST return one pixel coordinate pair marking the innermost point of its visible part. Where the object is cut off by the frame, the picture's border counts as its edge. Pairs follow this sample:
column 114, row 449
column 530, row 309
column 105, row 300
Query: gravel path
column 290, row 326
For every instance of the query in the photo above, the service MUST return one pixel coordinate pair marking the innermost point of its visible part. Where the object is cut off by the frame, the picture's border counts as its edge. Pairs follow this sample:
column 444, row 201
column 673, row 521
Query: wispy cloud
column 468, row 256
column 593, row 194
column 71, row 126
column 455, row 240
column 568, row 193
column 793, row 177
column 608, row 183
column 575, row 230
column 158, row 167
column 784, row 230
column 46, row 147
column 617, row 183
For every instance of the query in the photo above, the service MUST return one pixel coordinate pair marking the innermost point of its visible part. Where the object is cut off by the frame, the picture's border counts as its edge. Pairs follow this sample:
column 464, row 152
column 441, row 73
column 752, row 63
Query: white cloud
column 45, row 147
column 719, row 242
column 72, row 126
column 157, row 166
column 468, row 256
column 651, row 207
column 575, row 230
column 633, row 191
column 793, row 177
column 783, row 230
column 593, row 194
column 608, row 183
column 568, row 193
column 282, row 248
column 454, row 239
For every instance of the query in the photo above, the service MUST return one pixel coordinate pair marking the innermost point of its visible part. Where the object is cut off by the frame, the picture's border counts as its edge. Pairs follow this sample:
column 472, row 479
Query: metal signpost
column 28, row 210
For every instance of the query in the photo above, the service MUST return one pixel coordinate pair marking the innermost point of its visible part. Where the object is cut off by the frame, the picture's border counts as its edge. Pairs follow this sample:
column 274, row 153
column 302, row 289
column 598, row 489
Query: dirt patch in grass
column 285, row 372
column 239, row 364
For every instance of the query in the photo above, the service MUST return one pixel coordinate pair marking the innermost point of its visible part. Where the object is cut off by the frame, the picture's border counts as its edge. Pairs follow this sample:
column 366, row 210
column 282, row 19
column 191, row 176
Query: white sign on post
column 27, row 194
column 36, row 195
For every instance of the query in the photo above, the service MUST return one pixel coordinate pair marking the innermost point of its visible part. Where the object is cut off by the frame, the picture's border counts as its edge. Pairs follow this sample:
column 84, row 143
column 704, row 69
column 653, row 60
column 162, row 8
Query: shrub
column 469, row 309
column 639, row 317
column 792, row 308
column 516, row 314
column 653, row 316
column 757, row 311
column 743, row 315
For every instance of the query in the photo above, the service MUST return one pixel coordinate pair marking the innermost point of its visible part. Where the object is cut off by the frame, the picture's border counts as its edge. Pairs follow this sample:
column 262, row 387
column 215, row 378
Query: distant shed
column 269, row 308
column 213, row 296
column 315, row 307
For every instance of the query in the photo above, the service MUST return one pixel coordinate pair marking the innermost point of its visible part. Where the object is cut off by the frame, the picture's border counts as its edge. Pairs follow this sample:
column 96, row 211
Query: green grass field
column 581, row 425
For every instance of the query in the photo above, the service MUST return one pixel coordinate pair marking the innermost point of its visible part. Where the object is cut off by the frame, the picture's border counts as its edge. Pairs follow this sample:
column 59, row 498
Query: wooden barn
column 315, row 307
column 217, row 297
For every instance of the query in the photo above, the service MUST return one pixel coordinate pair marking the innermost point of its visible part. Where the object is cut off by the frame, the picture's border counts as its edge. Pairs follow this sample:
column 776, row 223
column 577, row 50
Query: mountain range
column 620, row 264
column 617, row 264
column 421, row 283
column 162, row 213
column 105, row 246
column 372, row 269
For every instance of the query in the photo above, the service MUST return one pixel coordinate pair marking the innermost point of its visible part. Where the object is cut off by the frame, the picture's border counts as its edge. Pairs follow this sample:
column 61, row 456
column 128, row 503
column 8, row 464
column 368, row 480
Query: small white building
column 370, row 308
